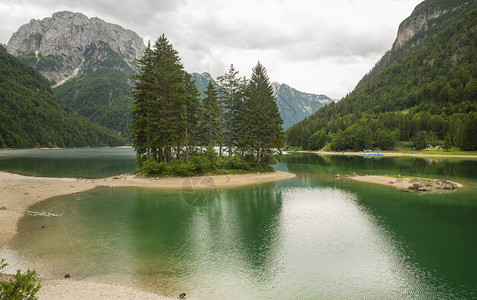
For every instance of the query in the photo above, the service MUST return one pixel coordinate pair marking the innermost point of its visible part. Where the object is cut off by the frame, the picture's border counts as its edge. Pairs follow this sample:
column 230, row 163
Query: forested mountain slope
column 87, row 61
column 427, row 92
column 31, row 116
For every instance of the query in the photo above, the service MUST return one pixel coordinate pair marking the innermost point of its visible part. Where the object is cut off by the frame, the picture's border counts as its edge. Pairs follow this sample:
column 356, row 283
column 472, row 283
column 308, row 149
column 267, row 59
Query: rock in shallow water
column 426, row 185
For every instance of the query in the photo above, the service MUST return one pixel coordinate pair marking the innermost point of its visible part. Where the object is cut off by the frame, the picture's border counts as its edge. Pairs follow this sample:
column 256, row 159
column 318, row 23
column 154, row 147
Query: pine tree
column 232, row 101
column 192, row 113
column 141, row 126
column 159, row 112
column 264, row 136
column 211, row 115
column 169, row 89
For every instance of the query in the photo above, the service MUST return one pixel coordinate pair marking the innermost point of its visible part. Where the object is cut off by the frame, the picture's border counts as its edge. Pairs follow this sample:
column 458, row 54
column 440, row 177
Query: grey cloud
column 210, row 32
column 129, row 11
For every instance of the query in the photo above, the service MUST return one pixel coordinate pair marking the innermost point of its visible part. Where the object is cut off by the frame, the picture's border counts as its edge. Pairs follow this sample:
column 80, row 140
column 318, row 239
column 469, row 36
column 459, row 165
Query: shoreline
column 403, row 183
column 388, row 154
column 18, row 193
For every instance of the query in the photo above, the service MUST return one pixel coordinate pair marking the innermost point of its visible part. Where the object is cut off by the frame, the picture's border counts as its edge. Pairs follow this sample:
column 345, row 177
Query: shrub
column 201, row 164
column 153, row 168
column 21, row 286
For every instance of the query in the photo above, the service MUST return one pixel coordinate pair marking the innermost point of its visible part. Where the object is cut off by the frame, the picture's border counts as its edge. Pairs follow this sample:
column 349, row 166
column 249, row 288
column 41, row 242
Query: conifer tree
column 192, row 113
column 141, row 125
column 264, row 134
column 169, row 89
column 158, row 114
column 232, row 102
column 211, row 114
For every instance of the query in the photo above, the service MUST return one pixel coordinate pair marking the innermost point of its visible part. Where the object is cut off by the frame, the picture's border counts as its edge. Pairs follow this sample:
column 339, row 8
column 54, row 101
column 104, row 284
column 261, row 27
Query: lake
column 309, row 237
column 76, row 162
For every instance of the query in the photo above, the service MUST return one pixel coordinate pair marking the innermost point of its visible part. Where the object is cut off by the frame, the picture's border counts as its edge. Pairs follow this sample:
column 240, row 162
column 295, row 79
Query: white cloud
column 318, row 46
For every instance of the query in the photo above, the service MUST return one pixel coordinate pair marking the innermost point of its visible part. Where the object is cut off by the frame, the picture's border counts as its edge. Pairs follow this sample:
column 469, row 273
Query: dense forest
column 31, row 116
column 175, row 133
column 427, row 97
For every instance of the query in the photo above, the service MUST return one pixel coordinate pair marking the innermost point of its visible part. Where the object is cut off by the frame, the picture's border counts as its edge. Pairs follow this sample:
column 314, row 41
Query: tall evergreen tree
column 264, row 136
column 169, row 89
column 211, row 115
column 191, row 113
column 159, row 119
column 232, row 98
column 144, row 98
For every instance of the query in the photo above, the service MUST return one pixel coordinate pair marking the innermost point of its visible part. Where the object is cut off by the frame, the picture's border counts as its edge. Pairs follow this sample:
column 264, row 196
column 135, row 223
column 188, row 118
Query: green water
column 310, row 237
column 77, row 162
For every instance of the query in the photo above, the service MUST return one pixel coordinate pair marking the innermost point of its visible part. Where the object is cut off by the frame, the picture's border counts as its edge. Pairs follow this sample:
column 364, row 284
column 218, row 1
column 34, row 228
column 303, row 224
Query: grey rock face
column 430, row 14
column 414, row 24
column 64, row 37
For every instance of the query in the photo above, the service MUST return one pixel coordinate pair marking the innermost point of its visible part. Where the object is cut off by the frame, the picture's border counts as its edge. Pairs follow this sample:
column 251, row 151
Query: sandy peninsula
column 406, row 183
column 18, row 193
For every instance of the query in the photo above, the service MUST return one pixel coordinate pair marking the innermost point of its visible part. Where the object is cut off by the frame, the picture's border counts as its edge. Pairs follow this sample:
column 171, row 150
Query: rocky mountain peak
column 294, row 105
column 427, row 15
column 64, row 37
column 414, row 24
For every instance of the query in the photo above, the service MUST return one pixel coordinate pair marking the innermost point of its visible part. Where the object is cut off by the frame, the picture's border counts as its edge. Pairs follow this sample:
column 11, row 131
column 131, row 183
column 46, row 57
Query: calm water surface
column 310, row 237
column 76, row 162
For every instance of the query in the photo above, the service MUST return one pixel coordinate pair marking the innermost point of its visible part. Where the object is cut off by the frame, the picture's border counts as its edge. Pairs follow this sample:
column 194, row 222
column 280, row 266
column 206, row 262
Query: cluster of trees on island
column 174, row 132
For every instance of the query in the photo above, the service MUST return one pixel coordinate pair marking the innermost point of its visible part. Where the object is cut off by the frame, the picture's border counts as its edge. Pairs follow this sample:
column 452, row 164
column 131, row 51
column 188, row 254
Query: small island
column 236, row 128
column 411, row 184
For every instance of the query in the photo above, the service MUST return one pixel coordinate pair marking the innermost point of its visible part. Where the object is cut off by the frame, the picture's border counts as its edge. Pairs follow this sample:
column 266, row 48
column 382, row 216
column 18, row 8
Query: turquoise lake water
column 309, row 237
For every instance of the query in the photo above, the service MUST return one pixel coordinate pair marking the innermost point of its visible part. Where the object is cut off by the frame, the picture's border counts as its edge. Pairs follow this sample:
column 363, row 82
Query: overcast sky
column 315, row 46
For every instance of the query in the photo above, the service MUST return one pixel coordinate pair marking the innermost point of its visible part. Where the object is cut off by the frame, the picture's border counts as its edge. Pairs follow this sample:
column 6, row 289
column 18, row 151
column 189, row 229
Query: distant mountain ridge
column 59, row 43
column 88, row 62
column 293, row 105
column 201, row 81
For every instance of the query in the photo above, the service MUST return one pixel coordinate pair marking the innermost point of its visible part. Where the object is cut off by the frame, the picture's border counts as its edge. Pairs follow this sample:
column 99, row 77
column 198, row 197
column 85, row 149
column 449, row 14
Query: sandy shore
column 399, row 183
column 387, row 154
column 18, row 193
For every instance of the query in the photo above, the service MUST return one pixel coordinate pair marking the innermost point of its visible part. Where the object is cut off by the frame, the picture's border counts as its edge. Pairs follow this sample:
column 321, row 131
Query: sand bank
column 18, row 193
column 403, row 183
column 387, row 154
column 66, row 289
